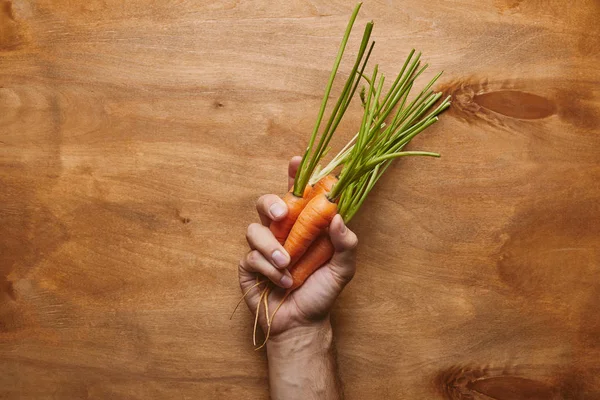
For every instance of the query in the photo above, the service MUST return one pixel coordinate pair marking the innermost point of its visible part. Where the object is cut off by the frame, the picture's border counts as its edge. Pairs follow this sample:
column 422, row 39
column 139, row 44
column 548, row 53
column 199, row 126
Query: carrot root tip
column 244, row 296
column 285, row 296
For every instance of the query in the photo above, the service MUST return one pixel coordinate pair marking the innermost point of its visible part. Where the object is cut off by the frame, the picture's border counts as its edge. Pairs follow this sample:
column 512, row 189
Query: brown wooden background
column 135, row 137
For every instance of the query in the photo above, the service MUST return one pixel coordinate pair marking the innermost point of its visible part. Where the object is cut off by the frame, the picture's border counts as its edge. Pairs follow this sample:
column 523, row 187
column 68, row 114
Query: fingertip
column 352, row 240
column 337, row 227
column 342, row 225
column 342, row 238
column 277, row 210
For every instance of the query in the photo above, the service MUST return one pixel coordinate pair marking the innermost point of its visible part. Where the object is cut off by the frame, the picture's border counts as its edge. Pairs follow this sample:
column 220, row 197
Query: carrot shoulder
column 323, row 186
column 312, row 221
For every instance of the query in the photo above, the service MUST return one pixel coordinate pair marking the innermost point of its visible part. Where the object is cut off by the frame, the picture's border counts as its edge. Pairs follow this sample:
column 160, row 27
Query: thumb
column 343, row 262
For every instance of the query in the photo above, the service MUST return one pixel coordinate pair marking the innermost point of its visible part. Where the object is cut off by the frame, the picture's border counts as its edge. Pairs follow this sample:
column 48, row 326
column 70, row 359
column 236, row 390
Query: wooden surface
column 135, row 137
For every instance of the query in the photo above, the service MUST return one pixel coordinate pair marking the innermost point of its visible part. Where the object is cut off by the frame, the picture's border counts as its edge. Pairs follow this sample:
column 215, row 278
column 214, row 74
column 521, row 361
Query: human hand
column 310, row 304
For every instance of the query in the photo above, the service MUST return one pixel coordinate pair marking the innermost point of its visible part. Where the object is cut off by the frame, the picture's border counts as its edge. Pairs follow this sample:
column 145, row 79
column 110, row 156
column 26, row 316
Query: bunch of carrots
column 390, row 121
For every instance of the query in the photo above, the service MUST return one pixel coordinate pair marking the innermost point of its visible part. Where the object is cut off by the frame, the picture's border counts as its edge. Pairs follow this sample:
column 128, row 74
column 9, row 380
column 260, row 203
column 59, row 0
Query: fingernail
column 343, row 228
column 277, row 210
column 280, row 259
column 286, row 281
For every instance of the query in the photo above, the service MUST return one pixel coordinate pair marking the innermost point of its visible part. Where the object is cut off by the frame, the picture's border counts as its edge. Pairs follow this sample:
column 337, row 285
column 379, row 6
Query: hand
column 309, row 305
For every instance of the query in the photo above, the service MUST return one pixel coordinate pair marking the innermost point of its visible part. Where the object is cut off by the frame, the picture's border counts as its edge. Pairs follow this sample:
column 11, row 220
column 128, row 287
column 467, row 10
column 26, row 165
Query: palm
column 310, row 302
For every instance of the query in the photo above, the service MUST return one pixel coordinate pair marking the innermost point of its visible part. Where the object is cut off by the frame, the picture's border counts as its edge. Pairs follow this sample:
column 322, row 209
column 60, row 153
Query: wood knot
column 462, row 382
column 507, row 5
column 478, row 101
column 516, row 104
column 513, row 388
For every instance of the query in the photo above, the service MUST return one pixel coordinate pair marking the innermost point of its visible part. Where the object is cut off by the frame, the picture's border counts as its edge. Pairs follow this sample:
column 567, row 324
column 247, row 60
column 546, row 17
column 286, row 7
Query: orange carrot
column 319, row 252
column 295, row 205
column 312, row 221
column 324, row 185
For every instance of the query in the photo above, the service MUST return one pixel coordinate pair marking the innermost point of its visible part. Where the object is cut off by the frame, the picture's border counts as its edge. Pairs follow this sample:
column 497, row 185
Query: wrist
column 302, row 363
column 301, row 341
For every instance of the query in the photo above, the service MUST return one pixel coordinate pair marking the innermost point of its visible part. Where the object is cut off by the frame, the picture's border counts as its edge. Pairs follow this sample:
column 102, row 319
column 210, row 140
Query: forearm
column 302, row 364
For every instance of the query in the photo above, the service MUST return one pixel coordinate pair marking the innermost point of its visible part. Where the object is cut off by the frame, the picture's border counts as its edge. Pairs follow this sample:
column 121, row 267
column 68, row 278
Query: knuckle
column 244, row 267
column 241, row 268
column 342, row 279
column 351, row 269
column 253, row 257
column 349, row 277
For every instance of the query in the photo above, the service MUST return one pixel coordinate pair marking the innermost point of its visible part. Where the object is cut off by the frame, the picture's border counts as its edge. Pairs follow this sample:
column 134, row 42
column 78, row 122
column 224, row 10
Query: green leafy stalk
column 340, row 107
column 378, row 144
column 313, row 154
column 351, row 201
column 398, row 92
column 355, row 153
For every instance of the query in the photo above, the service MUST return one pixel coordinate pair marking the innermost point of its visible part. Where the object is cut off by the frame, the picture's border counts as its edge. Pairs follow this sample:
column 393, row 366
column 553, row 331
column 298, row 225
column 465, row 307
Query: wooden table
column 135, row 137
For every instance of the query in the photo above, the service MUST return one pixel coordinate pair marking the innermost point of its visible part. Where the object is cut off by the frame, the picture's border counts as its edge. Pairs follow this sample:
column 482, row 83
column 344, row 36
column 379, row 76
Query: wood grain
column 135, row 137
